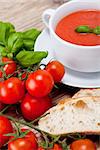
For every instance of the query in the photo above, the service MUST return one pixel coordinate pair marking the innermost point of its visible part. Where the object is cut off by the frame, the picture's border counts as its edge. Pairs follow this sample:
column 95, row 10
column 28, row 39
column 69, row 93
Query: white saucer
column 72, row 78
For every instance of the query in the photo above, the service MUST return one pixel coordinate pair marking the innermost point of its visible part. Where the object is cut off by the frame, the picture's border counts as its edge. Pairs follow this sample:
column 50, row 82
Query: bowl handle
column 47, row 14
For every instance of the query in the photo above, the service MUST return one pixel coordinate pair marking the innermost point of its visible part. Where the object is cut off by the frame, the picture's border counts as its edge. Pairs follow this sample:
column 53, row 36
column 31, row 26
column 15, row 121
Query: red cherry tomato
column 5, row 128
column 30, row 136
column 39, row 83
column 56, row 69
column 32, row 107
column 20, row 144
column 83, row 144
column 10, row 67
column 57, row 147
column 11, row 91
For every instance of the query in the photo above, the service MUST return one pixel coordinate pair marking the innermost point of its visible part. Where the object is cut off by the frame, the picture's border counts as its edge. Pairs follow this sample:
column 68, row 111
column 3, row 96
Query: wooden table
column 25, row 13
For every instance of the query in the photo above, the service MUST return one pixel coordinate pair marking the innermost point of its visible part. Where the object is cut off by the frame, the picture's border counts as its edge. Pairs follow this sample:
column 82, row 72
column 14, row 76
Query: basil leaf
column 2, row 33
column 17, row 46
column 96, row 30
column 29, row 38
column 10, row 29
column 5, row 30
column 83, row 29
column 15, row 42
column 10, row 55
column 29, row 44
column 31, row 34
column 3, row 51
column 29, row 58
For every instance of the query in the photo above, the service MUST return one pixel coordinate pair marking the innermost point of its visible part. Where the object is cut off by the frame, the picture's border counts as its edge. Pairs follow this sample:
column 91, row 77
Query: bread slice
column 87, row 92
column 80, row 115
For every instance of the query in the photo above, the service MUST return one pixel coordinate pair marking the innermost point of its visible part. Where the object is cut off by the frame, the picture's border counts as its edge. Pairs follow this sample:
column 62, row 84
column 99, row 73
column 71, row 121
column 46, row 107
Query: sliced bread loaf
column 81, row 115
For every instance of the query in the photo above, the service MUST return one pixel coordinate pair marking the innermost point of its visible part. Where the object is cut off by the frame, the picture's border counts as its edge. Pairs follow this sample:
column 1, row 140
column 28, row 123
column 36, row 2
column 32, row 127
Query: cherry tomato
column 56, row 69
column 57, row 147
column 32, row 107
column 83, row 144
column 20, row 144
column 39, row 83
column 10, row 67
column 11, row 91
column 5, row 128
column 30, row 136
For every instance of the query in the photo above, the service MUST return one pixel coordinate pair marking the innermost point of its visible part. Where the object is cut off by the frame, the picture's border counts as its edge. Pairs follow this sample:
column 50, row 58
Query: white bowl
column 76, row 57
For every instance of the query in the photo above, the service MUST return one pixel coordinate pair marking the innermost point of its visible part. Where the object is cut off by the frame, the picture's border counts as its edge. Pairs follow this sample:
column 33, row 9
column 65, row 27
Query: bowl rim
column 66, row 42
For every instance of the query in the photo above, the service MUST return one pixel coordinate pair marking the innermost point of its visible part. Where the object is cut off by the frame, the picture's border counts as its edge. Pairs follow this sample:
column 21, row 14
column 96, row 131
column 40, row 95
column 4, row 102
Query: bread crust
column 87, row 92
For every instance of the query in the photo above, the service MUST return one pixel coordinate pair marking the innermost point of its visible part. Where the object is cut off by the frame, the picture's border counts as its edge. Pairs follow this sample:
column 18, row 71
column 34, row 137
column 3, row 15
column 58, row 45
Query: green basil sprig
column 29, row 58
column 20, row 45
column 12, row 42
column 87, row 29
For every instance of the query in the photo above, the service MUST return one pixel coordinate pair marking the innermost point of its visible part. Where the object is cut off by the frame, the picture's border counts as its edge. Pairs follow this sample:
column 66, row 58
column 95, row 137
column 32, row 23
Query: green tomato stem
column 22, row 122
column 2, row 111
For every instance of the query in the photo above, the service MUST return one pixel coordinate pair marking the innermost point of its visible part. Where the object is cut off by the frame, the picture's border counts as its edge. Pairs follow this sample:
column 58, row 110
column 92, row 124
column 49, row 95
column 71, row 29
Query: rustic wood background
column 25, row 13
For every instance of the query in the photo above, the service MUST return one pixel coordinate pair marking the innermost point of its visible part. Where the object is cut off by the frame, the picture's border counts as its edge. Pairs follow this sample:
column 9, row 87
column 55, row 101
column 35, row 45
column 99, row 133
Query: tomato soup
column 65, row 29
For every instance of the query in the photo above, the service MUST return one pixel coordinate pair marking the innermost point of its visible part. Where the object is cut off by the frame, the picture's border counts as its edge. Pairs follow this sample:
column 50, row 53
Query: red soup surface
column 66, row 27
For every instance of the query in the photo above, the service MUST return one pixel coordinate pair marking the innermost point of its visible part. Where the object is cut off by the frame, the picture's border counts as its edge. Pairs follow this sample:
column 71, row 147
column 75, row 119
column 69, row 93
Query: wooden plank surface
column 25, row 13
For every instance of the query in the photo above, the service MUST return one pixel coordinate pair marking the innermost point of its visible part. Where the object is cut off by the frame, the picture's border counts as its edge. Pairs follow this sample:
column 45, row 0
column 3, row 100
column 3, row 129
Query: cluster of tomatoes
column 32, row 95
